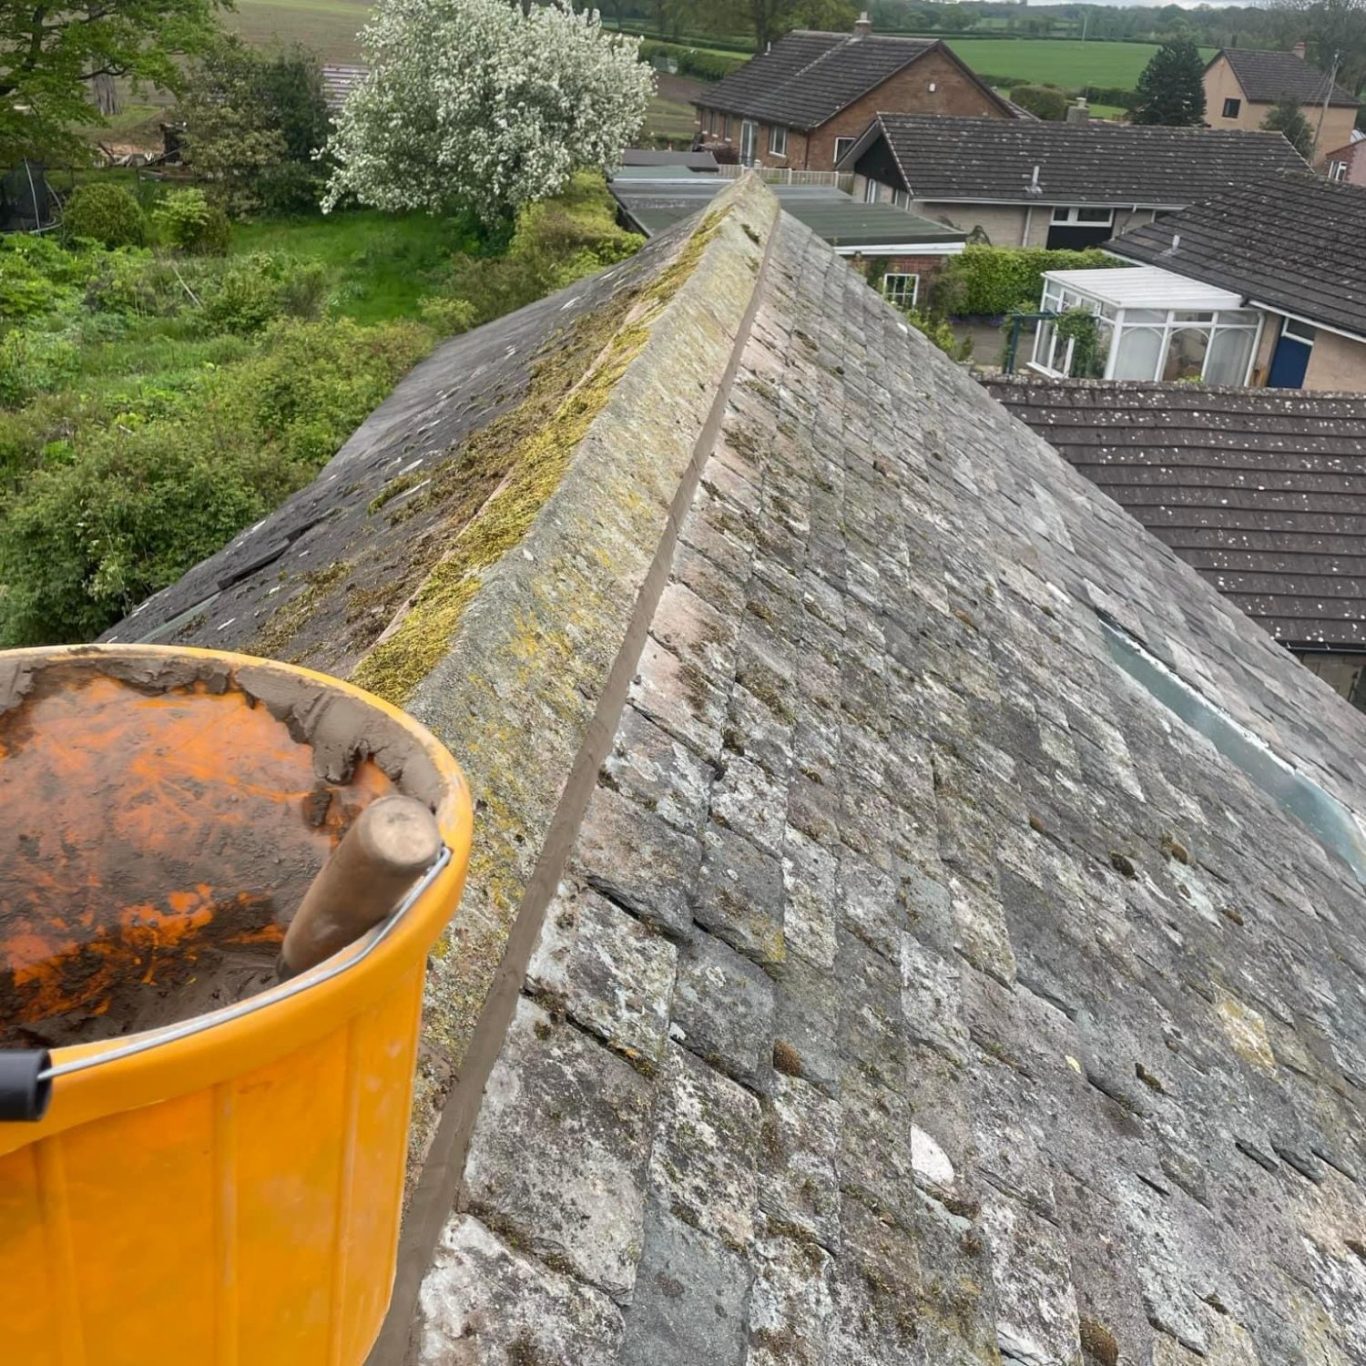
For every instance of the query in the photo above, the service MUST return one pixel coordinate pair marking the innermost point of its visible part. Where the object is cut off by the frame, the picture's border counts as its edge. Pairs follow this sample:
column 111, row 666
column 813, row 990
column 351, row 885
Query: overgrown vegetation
column 155, row 400
column 991, row 281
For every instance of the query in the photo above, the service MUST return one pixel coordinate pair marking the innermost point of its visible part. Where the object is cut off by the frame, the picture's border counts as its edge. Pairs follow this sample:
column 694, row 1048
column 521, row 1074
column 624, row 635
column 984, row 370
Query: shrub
column 257, row 289
column 106, row 214
column 291, row 187
column 447, row 316
column 189, row 223
column 706, row 66
column 34, row 363
column 97, row 527
column 1043, row 101
column 940, row 333
column 990, row 281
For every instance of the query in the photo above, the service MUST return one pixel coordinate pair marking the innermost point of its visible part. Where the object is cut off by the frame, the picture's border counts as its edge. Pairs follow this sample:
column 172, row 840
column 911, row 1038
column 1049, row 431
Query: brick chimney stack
column 1299, row 49
column 863, row 25
column 1079, row 112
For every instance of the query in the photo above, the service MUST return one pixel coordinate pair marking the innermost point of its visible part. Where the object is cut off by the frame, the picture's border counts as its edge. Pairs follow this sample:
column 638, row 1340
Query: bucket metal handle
column 26, row 1075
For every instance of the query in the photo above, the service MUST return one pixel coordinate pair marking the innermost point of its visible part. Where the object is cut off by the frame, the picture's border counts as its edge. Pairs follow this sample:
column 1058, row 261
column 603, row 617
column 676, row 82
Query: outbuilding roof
column 653, row 203
column 1261, row 490
column 866, row 967
column 1267, row 77
column 806, row 78
column 995, row 160
column 1294, row 244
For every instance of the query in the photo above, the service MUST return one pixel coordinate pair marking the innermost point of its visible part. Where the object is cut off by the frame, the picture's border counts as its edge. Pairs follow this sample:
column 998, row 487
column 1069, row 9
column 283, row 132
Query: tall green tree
column 1288, row 118
column 50, row 50
column 1171, row 89
column 1334, row 31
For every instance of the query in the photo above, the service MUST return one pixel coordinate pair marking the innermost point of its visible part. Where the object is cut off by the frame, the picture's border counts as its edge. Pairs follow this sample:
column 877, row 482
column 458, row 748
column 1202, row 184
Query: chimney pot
column 863, row 25
column 1079, row 112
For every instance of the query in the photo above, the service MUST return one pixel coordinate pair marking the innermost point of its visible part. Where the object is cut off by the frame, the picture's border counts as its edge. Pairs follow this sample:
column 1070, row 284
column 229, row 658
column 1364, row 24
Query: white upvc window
column 872, row 191
column 749, row 141
column 1085, row 218
column 842, row 145
column 901, row 288
column 1337, row 170
column 777, row 141
column 901, row 200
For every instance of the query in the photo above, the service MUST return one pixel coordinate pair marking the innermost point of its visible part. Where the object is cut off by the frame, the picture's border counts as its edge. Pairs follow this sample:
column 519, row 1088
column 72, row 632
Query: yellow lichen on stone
column 530, row 448
column 1246, row 1031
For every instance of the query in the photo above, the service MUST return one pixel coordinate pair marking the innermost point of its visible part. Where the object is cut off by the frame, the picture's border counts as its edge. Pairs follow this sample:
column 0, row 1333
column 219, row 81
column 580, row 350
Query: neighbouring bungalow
column 802, row 103
column 1289, row 253
column 1243, row 85
column 897, row 251
column 1348, row 162
column 1052, row 184
column 1262, row 491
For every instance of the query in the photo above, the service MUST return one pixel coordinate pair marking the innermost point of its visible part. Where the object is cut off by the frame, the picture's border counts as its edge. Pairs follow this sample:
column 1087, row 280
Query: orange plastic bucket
column 223, row 1185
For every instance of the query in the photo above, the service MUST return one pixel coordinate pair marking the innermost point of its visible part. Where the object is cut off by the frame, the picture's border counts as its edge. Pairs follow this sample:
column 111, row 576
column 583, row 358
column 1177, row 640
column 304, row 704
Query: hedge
column 706, row 66
column 990, row 281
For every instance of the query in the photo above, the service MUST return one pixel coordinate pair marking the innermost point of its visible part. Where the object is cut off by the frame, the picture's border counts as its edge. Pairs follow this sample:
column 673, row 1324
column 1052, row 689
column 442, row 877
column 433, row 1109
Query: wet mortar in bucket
column 163, row 821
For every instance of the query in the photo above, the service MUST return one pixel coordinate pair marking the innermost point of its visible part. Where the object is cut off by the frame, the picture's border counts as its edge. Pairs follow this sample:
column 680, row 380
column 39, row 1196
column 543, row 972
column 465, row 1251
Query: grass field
column 329, row 27
column 1064, row 62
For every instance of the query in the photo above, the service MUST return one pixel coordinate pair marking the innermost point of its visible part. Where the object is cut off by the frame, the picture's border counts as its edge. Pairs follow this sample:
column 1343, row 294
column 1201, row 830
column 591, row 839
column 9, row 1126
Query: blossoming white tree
column 474, row 103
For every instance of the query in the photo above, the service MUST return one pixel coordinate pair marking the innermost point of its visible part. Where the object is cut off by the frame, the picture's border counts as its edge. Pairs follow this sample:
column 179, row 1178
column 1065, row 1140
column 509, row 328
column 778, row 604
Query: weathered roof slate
column 1294, row 243
column 1268, row 77
column 1087, row 164
column 806, row 78
column 1262, row 490
column 912, row 987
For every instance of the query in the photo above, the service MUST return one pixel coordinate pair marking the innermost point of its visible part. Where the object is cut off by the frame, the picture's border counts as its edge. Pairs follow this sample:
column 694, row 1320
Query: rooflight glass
column 1324, row 816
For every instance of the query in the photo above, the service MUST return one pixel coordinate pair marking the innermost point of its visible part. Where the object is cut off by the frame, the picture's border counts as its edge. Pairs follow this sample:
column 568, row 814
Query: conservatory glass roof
column 1145, row 287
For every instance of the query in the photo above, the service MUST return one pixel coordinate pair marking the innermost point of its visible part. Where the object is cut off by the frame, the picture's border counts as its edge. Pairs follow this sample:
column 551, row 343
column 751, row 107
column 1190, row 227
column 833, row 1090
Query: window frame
column 1235, row 110
column 849, row 142
column 1337, row 171
column 900, row 301
column 1289, row 328
column 872, row 190
column 1071, row 217
column 777, row 140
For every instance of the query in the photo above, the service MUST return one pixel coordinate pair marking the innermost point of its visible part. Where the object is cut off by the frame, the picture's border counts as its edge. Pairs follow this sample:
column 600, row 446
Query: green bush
column 990, row 281
column 34, row 363
column 257, row 289
column 187, row 222
column 447, row 316
column 290, row 187
column 104, row 213
column 94, row 529
column 940, row 333
column 1043, row 101
column 706, row 66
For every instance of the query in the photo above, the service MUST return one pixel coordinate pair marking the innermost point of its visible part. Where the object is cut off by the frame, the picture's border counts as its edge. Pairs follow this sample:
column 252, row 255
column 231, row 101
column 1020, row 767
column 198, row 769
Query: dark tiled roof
column 807, row 78
column 1298, row 244
column 339, row 82
column 1094, row 163
column 1262, row 490
column 1267, row 77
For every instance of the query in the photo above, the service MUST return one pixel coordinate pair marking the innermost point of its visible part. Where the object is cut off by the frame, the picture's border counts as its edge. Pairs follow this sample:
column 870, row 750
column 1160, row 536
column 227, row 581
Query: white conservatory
column 1150, row 324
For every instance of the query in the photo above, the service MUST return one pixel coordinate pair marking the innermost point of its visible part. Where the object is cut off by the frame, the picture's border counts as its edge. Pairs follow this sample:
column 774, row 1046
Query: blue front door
column 1292, row 356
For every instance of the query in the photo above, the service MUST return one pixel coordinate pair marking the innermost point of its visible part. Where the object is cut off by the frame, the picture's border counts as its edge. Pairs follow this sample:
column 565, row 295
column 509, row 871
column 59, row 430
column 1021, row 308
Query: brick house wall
column 1354, row 154
column 1221, row 84
column 908, row 92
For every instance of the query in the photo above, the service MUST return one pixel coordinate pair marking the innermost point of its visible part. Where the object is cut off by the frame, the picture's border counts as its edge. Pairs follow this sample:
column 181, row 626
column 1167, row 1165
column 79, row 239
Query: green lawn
column 379, row 265
column 1065, row 62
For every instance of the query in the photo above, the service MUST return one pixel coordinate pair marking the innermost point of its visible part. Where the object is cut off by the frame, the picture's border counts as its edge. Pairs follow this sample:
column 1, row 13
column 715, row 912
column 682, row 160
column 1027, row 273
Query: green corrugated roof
column 657, row 202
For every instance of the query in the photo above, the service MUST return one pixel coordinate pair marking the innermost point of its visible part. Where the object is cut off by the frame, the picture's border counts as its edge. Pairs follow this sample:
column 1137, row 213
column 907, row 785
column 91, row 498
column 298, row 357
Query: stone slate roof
column 1294, row 244
column 913, row 987
column 1262, row 490
column 1268, row 77
column 993, row 160
column 806, row 78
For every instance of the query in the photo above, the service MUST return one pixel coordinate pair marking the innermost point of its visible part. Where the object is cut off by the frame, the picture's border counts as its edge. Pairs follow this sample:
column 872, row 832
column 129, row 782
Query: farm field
column 1069, row 63
column 329, row 27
